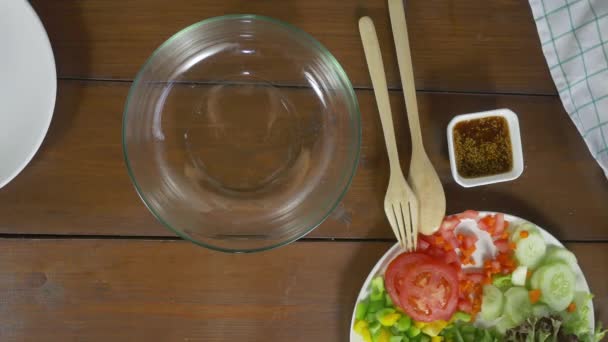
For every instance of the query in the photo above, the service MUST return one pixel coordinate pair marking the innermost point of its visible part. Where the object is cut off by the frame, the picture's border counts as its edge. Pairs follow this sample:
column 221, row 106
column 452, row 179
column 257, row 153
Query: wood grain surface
column 128, row 290
column 473, row 45
column 78, row 183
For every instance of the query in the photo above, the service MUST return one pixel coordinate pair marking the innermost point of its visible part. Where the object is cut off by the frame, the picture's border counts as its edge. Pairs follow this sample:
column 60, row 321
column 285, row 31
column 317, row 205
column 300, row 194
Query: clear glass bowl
column 241, row 133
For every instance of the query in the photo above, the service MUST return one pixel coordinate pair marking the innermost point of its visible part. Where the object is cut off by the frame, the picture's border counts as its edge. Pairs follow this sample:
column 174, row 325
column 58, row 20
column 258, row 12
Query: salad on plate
column 480, row 277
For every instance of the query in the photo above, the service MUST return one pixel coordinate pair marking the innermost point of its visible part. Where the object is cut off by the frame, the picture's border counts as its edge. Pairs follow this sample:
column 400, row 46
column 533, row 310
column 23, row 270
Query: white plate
column 28, row 86
column 484, row 247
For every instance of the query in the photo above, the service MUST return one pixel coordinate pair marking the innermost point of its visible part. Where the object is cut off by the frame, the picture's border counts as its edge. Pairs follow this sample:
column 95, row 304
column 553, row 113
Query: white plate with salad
column 483, row 276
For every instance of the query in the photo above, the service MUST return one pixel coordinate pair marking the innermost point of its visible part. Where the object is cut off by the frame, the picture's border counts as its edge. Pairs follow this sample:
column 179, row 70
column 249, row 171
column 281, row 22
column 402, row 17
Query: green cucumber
column 531, row 250
column 504, row 324
column 527, row 226
column 517, row 304
column 557, row 283
column 560, row 254
column 492, row 303
column 540, row 310
column 536, row 277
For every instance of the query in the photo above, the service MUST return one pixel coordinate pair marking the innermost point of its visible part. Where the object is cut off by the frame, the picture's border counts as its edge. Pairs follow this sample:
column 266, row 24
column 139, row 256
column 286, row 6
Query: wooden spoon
column 422, row 178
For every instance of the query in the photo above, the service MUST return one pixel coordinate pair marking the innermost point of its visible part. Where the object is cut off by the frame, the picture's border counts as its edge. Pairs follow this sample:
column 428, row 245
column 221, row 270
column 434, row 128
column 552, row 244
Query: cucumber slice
column 518, row 277
column 492, row 303
column 540, row 310
column 517, row 304
column 559, row 254
column 527, row 226
column 531, row 250
column 536, row 277
column 557, row 283
column 504, row 324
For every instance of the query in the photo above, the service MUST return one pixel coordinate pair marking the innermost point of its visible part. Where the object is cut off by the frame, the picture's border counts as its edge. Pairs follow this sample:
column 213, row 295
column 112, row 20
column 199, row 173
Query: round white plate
column 28, row 85
column 484, row 247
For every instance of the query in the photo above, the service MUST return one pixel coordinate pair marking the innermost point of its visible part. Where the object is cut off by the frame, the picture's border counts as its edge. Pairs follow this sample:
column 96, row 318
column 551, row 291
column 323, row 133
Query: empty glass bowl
column 241, row 133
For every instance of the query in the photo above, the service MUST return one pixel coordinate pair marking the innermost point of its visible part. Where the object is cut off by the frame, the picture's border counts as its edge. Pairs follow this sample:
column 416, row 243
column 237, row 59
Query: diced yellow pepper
column 361, row 328
column 437, row 339
column 420, row 325
column 434, row 328
column 390, row 319
column 383, row 336
column 360, row 325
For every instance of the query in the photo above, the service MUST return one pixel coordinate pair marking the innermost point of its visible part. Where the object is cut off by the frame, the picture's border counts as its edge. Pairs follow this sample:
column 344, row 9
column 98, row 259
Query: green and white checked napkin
column 574, row 38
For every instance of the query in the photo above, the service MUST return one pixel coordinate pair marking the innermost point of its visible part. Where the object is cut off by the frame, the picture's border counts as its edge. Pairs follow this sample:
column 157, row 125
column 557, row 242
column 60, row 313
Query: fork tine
column 414, row 220
column 413, row 228
column 403, row 241
column 404, row 230
column 402, row 226
column 392, row 220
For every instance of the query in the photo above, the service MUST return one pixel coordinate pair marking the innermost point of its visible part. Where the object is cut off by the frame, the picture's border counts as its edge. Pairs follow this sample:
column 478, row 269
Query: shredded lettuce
column 577, row 322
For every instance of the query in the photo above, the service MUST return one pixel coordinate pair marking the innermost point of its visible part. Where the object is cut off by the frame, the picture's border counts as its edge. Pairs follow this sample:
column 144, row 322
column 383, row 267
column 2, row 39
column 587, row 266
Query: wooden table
column 83, row 260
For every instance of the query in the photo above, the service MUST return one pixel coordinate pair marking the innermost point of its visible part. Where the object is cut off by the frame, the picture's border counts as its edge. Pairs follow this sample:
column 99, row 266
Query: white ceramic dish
column 484, row 247
column 515, row 135
column 28, row 86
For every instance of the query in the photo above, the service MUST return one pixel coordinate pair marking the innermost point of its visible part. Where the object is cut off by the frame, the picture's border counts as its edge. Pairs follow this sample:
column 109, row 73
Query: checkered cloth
column 574, row 38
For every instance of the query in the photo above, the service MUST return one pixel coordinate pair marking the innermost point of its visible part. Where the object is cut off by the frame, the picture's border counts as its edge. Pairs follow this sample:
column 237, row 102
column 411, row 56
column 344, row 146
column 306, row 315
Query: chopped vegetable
column 557, row 286
column 404, row 323
column 517, row 304
column 382, row 336
column 460, row 316
column 534, row 296
column 518, row 277
column 530, row 251
column 559, row 254
column 361, row 309
column 492, row 303
column 413, row 331
column 361, row 328
column 434, row 328
column 502, row 282
column 387, row 317
column 571, row 307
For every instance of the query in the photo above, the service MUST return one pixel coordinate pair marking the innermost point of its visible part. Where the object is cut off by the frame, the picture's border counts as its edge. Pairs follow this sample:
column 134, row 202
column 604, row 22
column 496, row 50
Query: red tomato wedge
column 429, row 291
column 393, row 277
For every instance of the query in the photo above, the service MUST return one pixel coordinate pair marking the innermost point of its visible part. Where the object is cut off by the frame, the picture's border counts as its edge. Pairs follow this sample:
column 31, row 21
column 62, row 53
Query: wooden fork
column 422, row 176
column 400, row 203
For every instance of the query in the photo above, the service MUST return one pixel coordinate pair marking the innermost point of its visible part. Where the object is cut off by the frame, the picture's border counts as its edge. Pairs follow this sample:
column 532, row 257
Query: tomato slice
column 429, row 291
column 393, row 277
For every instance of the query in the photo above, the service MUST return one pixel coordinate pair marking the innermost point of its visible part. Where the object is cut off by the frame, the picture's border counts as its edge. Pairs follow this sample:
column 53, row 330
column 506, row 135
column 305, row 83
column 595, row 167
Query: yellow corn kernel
column 437, row 339
column 390, row 319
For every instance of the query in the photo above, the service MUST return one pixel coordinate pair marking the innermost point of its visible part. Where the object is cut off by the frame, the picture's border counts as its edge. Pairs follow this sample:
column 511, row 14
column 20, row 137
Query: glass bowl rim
column 348, row 87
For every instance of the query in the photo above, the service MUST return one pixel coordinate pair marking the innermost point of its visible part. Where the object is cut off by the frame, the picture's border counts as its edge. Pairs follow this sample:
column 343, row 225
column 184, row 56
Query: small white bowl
column 515, row 136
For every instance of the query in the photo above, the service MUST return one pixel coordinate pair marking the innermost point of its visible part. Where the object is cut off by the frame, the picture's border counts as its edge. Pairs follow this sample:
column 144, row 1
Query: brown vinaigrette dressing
column 483, row 147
